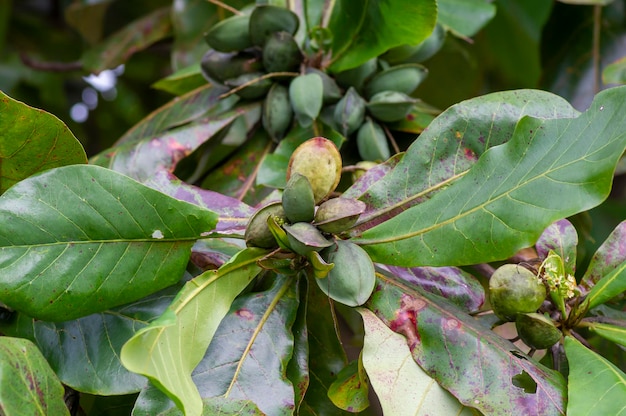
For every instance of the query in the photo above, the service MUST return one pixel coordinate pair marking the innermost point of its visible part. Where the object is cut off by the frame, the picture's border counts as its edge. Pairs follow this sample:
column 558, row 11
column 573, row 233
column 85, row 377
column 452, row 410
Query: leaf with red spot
column 465, row 357
column 562, row 238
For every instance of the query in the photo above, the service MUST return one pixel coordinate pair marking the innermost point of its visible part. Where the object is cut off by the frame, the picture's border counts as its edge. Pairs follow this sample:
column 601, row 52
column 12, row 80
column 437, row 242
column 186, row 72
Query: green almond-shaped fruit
column 513, row 289
column 220, row 66
column 281, row 53
column 332, row 92
column 265, row 20
column 304, row 238
column 390, row 106
column 372, row 142
column 257, row 232
column 338, row 214
column 306, row 95
column 255, row 85
column 401, row 78
column 537, row 331
column 277, row 112
column 352, row 280
column 356, row 77
column 230, row 34
column 320, row 161
column 298, row 200
column 349, row 112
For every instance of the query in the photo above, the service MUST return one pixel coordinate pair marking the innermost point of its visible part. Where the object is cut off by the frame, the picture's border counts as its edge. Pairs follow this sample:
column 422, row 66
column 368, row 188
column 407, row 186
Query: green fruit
column 265, row 20
column 349, row 112
column 304, row 238
column 352, row 280
column 332, row 92
column 298, row 201
column 401, row 78
column 257, row 232
column 306, row 96
column 277, row 112
column 338, row 214
column 372, row 142
column 356, row 77
column 390, row 106
column 513, row 289
column 537, row 331
column 258, row 86
column 219, row 66
column 281, row 53
column 320, row 161
column 230, row 34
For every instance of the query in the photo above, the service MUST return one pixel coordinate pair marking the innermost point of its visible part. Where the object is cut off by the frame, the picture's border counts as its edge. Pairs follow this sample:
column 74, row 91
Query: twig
column 254, row 81
column 50, row 66
column 597, row 22
column 225, row 6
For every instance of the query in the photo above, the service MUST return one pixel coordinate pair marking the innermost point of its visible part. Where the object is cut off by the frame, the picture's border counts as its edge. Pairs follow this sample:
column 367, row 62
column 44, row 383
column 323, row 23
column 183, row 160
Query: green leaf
column 562, row 238
column 465, row 356
column 249, row 354
column 450, row 146
column 401, row 385
column 592, row 376
column 220, row 406
column 465, row 17
column 27, row 383
column 608, row 287
column 350, row 389
column 120, row 46
column 31, row 141
column 182, row 81
column 494, row 209
column 364, row 30
column 608, row 257
column 82, row 239
column 84, row 353
column 613, row 333
column 170, row 348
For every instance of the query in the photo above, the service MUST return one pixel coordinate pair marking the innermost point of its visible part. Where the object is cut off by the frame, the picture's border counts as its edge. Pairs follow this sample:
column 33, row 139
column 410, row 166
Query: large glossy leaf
column 364, row 30
column 464, row 356
column 591, row 375
column 402, row 387
column 169, row 349
column 31, row 141
column 494, row 210
column 465, row 17
column 120, row 46
column 82, row 239
column 450, row 146
column 84, row 353
column 28, row 385
column 249, row 354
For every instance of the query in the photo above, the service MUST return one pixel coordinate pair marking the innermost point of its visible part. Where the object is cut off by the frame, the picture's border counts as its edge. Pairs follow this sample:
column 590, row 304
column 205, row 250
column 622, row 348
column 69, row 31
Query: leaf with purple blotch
column 609, row 256
column 562, row 238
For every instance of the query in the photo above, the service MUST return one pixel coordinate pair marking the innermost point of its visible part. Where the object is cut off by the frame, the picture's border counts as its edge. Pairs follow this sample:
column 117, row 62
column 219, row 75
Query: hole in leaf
column 524, row 381
column 518, row 355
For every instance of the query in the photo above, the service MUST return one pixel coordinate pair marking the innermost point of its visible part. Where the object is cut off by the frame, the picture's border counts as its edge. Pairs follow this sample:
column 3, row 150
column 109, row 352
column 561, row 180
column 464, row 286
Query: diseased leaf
column 562, row 238
column 350, row 389
column 591, row 375
column 610, row 255
column 451, row 283
column 120, row 46
column 27, row 383
column 82, row 239
column 464, row 356
column 84, row 353
column 450, row 146
column 494, row 209
column 248, row 356
column 169, row 348
column 298, row 367
column 32, row 141
column 402, row 387
column 364, row 30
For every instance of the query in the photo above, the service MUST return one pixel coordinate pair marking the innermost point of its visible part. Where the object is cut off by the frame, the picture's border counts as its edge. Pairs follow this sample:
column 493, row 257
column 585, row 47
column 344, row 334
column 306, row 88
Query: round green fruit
column 513, row 289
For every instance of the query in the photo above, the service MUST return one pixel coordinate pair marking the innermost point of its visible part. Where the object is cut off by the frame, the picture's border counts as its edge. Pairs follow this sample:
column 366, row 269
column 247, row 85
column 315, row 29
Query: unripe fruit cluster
column 256, row 54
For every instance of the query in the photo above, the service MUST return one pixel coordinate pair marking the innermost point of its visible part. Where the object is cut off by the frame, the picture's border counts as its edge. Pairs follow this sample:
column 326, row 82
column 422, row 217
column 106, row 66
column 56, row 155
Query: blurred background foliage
column 94, row 63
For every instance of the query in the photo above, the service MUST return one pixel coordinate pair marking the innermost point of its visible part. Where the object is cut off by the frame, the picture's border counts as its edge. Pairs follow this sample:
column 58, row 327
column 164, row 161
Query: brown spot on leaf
column 245, row 314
